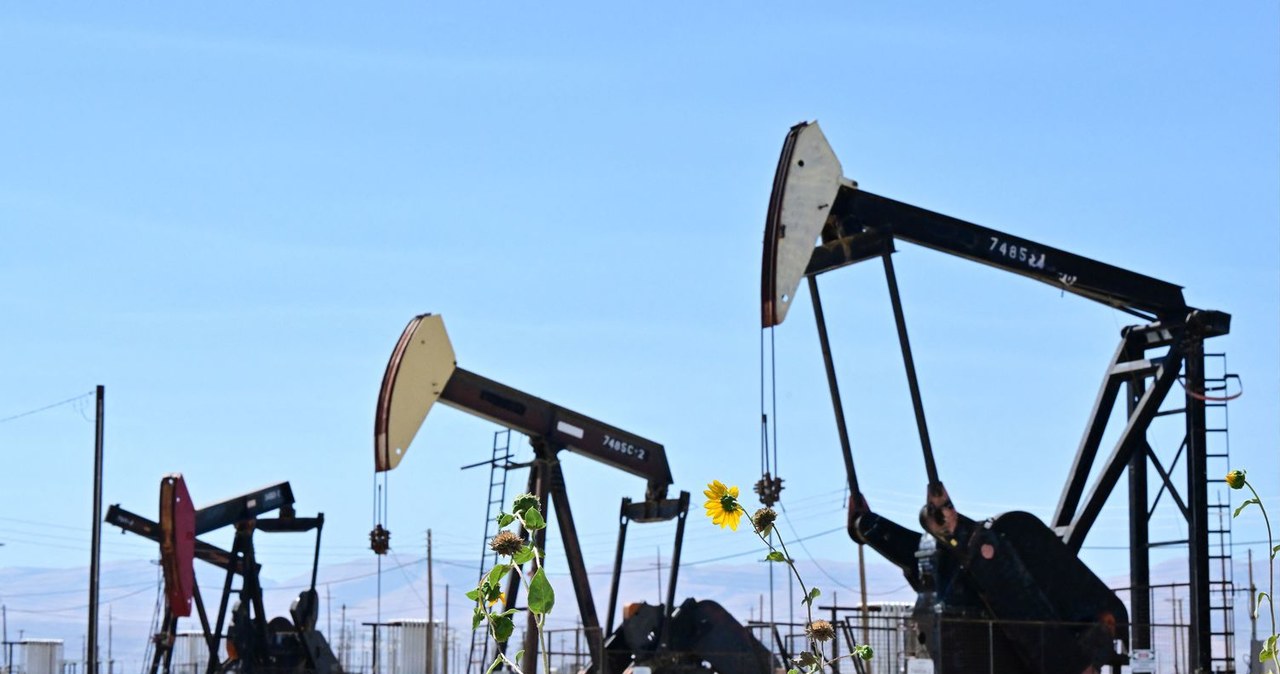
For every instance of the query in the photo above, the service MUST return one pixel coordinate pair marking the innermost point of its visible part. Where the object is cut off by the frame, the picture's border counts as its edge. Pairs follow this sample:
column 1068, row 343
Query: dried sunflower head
column 506, row 543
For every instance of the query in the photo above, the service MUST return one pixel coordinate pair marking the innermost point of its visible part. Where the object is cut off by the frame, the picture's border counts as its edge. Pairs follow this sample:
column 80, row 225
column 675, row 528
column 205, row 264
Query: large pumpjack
column 670, row 639
column 1009, row 590
column 254, row 643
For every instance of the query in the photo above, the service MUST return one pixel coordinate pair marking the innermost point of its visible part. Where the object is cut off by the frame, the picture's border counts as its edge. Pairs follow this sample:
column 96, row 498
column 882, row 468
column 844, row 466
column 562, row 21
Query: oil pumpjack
column 422, row 370
column 1012, row 573
column 254, row 643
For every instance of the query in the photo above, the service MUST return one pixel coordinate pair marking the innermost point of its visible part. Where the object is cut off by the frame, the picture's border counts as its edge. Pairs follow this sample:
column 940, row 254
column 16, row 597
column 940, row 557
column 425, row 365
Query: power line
column 76, row 591
column 83, row 606
column 39, row 409
column 804, row 547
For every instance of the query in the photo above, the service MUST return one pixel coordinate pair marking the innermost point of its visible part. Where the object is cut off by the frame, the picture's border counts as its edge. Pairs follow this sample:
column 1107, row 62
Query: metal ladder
column 1218, row 463
column 478, row 661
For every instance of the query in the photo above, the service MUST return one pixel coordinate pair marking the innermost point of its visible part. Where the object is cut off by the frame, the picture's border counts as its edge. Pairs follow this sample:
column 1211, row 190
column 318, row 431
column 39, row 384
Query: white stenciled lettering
column 623, row 447
column 1016, row 253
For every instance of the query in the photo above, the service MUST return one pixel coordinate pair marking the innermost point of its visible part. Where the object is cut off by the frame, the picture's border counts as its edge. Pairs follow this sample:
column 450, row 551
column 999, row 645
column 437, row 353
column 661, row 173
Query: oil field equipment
column 422, row 370
column 1052, row 614
column 254, row 643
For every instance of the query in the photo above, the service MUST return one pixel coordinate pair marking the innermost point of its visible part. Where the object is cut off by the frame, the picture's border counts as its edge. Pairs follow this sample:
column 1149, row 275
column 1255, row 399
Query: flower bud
column 1235, row 479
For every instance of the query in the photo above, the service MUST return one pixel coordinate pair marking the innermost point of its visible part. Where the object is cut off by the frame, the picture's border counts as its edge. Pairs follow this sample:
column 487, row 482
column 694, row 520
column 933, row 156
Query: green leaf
column 525, row 555
column 502, row 627
column 533, row 520
column 477, row 617
column 497, row 662
column 541, row 596
column 519, row 654
column 775, row 556
column 524, row 502
column 813, row 594
column 504, row 519
column 474, row 595
column 1274, row 551
column 793, row 670
column 1257, row 606
column 497, row 574
column 1246, row 504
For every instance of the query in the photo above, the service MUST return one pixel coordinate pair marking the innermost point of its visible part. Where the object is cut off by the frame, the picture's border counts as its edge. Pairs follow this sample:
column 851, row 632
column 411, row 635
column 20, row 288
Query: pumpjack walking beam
column 812, row 202
column 422, row 370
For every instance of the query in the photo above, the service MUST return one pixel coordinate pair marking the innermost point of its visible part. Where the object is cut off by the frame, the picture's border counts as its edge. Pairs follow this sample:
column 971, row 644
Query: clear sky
column 226, row 214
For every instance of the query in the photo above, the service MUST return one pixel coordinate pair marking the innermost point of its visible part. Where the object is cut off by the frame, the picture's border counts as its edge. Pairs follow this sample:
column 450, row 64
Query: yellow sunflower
column 722, row 505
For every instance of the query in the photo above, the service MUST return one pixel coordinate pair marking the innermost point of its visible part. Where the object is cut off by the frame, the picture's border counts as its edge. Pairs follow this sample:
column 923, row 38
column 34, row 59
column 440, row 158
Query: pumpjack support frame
column 422, row 371
column 254, row 643
column 812, row 201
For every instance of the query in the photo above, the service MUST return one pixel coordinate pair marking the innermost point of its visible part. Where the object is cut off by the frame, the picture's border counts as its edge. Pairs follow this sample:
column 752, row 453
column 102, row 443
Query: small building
column 403, row 648
column 190, row 653
column 41, row 656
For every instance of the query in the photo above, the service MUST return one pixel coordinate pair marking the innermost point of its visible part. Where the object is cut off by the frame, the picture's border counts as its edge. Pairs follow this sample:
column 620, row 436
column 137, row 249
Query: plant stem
column 540, row 620
column 1271, row 573
column 814, row 646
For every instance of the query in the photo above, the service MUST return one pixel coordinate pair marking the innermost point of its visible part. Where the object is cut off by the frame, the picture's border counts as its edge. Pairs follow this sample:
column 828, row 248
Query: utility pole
column 95, row 554
column 1177, row 627
column 657, row 554
column 344, row 646
column 1253, row 609
column 444, row 660
column 431, row 604
column 862, row 586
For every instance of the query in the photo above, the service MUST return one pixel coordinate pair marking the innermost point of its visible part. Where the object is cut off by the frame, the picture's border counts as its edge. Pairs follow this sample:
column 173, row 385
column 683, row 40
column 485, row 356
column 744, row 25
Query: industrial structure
column 422, row 370
column 252, row 642
column 1006, row 593
column 1013, row 570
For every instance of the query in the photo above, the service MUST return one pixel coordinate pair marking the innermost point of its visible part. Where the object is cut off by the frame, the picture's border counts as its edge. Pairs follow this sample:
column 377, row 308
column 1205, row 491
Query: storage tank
column 190, row 653
column 404, row 648
column 41, row 656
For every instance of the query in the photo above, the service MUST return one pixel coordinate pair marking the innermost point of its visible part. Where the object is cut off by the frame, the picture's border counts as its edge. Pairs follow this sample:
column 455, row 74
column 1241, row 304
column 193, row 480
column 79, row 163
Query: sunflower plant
column 725, row 510
column 515, row 552
column 1236, row 480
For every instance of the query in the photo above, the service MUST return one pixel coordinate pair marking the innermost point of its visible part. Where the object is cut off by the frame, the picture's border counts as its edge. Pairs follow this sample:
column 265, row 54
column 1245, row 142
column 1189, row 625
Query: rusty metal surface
column 177, row 543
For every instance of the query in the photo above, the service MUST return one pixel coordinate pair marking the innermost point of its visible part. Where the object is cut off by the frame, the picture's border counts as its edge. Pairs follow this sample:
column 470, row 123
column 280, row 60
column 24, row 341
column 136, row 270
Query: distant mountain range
column 51, row 603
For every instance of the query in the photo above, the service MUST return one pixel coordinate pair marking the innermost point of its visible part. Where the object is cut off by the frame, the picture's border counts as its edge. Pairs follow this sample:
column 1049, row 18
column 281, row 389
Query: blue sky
column 227, row 214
